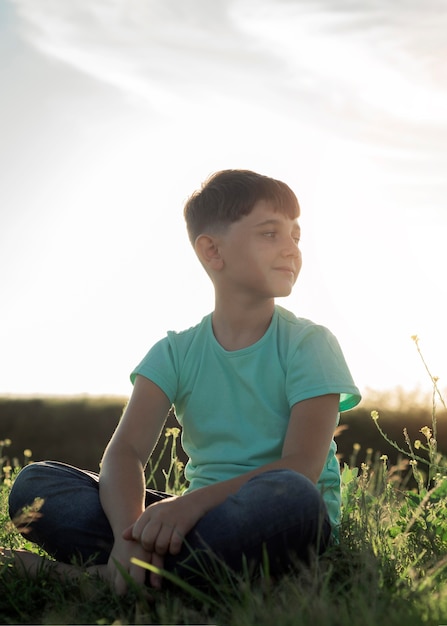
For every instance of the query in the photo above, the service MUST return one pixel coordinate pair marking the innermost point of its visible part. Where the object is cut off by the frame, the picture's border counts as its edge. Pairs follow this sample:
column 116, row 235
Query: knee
column 286, row 485
column 301, row 487
column 26, row 487
column 284, row 481
column 290, row 491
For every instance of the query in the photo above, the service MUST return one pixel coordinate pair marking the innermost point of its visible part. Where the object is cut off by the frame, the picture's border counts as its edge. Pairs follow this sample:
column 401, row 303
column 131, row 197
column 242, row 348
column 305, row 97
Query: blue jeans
column 280, row 512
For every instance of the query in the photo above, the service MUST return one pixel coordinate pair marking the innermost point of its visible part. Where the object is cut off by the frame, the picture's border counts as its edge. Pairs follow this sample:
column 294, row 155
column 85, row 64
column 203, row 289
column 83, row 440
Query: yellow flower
column 172, row 432
column 375, row 415
column 417, row 444
column 27, row 453
column 427, row 432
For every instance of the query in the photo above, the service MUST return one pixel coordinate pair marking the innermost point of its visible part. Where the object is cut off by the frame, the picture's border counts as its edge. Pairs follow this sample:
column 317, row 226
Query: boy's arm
column 122, row 480
column 311, row 428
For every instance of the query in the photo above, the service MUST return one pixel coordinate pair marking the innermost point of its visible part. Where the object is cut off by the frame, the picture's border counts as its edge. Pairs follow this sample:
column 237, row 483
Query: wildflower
column 413, row 463
column 427, row 432
column 415, row 338
column 7, row 476
column 172, row 432
column 356, row 447
column 384, row 457
column 433, row 444
column 27, row 453
column 375, row 415
column 365, row 471
column 417, row 444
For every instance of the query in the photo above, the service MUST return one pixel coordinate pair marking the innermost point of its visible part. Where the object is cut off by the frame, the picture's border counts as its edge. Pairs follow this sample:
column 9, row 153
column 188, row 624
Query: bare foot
column 24, row 561
column 98, row 570
column 32, row 564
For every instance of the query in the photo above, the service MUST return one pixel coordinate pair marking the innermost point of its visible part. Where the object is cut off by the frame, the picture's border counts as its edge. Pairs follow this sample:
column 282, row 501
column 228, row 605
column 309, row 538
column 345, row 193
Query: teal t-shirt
column 234, row 406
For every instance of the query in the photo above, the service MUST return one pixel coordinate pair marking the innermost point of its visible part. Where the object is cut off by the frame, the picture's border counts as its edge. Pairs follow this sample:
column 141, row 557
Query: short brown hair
column 228, row 195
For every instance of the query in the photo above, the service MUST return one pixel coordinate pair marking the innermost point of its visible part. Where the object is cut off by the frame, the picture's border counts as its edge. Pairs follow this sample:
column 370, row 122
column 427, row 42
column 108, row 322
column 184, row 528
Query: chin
column 283, row 293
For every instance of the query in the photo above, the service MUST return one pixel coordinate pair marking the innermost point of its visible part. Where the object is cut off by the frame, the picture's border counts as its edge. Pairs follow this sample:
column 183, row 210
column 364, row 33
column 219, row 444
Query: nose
column 291, row 248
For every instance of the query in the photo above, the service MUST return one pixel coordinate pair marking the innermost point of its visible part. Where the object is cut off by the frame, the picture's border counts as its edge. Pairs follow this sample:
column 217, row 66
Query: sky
column 112, row 112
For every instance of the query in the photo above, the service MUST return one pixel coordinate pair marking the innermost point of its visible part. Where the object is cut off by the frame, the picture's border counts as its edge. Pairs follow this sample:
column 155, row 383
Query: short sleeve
column 159, row 366
column 316, row 367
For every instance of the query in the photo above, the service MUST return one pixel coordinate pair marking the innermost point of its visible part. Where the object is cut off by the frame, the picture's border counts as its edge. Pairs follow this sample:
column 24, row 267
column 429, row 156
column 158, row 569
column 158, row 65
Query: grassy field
column 390, row 567
column 76, row 429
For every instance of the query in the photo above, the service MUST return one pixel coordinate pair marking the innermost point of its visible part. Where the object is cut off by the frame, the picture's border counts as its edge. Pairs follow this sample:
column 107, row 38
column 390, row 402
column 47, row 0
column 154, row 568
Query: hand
column 122, row 552
column 162, row 527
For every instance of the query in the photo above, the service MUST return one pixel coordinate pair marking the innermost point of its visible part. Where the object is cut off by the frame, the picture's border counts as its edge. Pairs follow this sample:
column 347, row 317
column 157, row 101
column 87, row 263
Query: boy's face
column 260, row 253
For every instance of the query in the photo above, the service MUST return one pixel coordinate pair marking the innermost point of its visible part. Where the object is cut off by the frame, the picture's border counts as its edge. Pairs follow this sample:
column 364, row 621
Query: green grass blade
column 193, row 591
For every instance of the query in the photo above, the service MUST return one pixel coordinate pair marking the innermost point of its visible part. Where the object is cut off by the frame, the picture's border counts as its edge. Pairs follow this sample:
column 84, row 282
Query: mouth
column 286, row 270
column 288, row 274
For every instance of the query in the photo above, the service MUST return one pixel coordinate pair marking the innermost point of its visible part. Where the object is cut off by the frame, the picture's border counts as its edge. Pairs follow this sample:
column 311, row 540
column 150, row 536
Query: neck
column 237, row 326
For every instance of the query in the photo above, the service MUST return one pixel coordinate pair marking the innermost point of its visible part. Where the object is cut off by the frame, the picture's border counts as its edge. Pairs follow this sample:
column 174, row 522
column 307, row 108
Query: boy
column 257, row 392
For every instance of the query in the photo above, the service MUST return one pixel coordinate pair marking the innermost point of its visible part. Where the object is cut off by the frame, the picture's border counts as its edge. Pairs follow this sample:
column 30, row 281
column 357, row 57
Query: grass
column 390, row 567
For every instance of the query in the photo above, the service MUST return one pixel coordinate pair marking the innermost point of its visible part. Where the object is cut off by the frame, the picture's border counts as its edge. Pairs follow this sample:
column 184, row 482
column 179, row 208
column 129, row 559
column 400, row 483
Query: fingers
column 118, row 583
column 155, row 536
column 120, row 564
column 160, row 539
column 155, row 579
column 127, row 533
column 176, row 542
column 137, row 573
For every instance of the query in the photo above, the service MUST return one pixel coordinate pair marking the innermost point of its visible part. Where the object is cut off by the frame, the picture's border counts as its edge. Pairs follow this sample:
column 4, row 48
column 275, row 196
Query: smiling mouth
column 287, row 273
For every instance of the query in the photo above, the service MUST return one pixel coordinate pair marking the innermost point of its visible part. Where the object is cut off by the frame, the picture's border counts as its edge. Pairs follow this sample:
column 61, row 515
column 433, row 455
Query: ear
column 207, row 249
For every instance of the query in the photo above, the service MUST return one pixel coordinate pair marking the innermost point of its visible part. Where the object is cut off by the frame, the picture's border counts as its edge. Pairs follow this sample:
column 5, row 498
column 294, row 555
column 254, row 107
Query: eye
column 296, row 235
column 271, row 234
